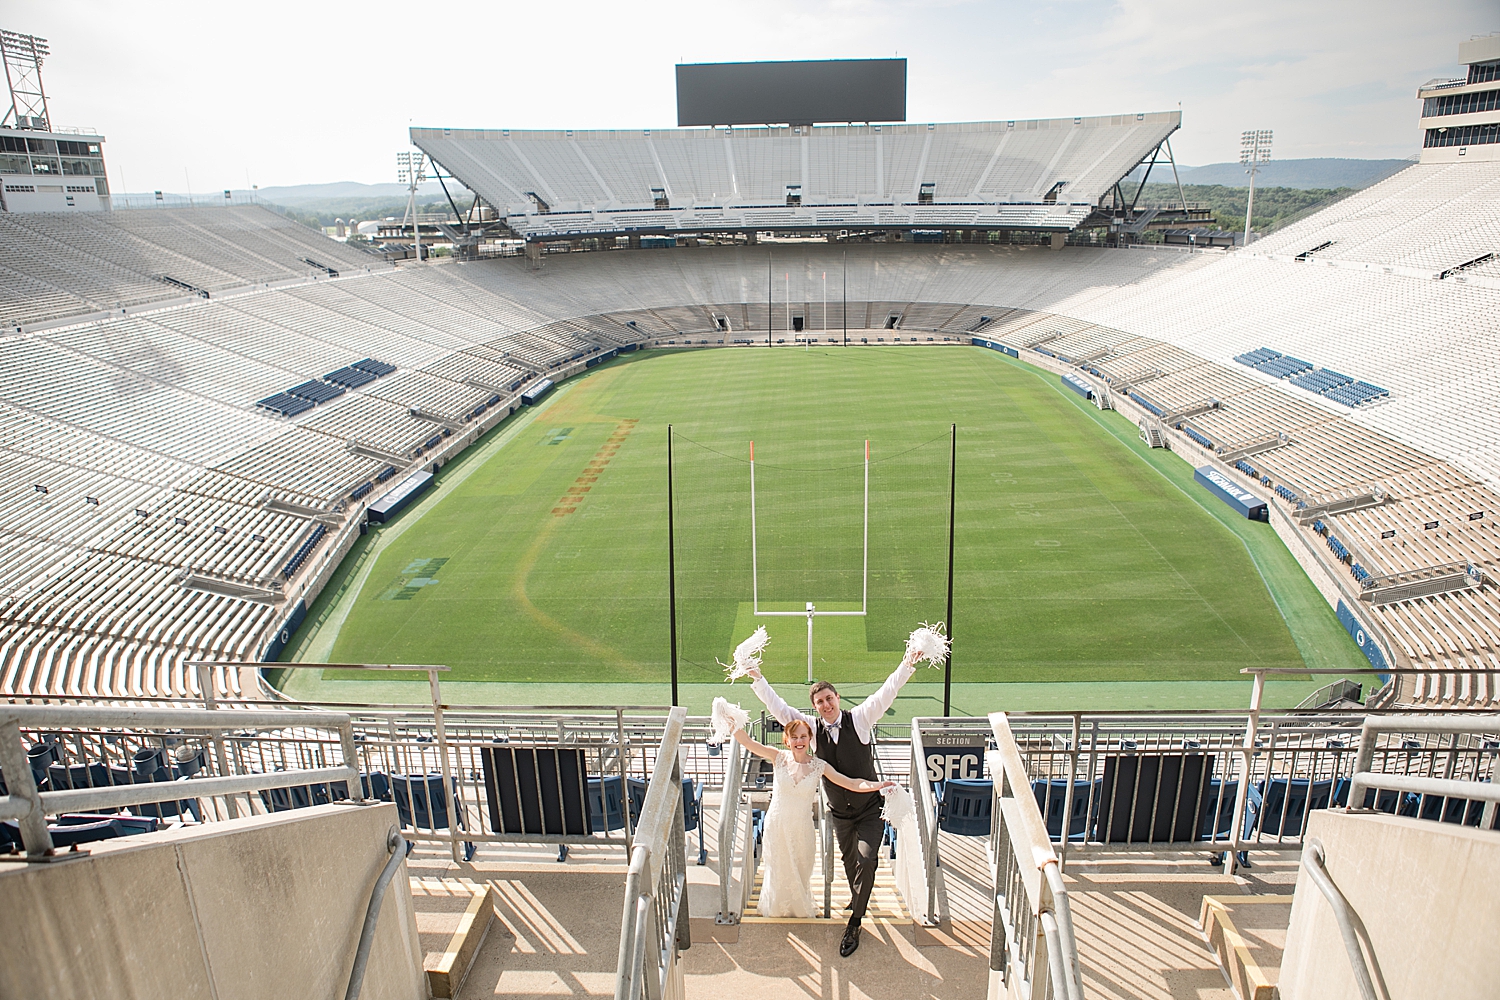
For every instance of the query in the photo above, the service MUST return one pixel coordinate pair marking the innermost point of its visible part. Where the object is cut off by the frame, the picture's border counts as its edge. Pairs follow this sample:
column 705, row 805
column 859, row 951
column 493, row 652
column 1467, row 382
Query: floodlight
column 1255, row 149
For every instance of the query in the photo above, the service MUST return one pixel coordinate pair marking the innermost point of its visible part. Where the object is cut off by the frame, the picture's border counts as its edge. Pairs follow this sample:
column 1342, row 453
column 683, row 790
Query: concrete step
column 454, row 918
column 1248, row 933
column 885, row 901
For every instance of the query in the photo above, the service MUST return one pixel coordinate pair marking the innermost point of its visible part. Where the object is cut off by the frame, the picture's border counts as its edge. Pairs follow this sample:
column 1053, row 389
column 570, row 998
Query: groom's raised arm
column 869, row 711
column 774, row 703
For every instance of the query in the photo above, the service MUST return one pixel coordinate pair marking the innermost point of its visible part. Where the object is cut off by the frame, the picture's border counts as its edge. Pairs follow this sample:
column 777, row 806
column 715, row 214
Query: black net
column 809, row 546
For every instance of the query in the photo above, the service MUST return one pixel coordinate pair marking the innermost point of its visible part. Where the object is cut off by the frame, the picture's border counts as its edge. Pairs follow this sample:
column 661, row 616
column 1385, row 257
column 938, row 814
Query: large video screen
column 792, row 93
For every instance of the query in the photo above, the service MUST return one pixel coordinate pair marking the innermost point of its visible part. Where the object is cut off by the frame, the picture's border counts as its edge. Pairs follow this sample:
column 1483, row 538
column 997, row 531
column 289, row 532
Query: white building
column 43, row 171
column 1461, row 116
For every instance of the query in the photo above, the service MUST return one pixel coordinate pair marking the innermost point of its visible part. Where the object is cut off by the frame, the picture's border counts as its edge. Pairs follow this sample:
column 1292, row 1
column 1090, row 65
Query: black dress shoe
column 850, row 943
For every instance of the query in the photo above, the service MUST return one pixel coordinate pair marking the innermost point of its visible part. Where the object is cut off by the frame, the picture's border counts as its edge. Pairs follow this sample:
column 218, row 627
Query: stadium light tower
column 1255, row 149
column 411, row 170
column 23, row 55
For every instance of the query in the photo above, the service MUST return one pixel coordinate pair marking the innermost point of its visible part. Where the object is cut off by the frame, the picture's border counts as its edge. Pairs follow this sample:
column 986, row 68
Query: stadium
column 432, row 560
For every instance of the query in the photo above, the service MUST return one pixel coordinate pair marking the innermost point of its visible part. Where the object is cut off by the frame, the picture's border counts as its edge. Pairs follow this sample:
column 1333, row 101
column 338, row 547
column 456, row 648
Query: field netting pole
column 671, row 567
column 811, row 613
column 864, row 593
column 754, row 561
column 952, row 483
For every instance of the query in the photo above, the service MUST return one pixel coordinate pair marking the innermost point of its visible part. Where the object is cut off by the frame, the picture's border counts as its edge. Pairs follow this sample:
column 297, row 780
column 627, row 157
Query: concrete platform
column 1136, row 920
column 799, row 960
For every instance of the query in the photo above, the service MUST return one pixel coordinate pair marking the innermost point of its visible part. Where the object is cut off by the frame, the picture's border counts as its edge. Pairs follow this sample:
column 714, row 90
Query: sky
column 211, row 96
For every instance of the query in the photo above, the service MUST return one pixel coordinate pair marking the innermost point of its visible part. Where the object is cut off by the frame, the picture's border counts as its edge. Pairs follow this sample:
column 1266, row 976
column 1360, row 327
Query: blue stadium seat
column 692, row 809
column 1284, row 800
column 606, row 804
column 1051, row 799
column 965, row 807
column 420, row 806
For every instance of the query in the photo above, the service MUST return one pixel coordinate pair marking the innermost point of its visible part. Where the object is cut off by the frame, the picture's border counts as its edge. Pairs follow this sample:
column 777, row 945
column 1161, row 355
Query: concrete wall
column 268, row 906
column 1426, row 893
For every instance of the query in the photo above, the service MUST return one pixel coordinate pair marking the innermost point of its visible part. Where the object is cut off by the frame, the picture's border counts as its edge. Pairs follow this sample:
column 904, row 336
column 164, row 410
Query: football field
column 1079, row 557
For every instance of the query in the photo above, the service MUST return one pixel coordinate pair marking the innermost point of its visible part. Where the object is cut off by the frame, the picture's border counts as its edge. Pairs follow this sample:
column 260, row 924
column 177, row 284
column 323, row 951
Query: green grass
column 1081, row 556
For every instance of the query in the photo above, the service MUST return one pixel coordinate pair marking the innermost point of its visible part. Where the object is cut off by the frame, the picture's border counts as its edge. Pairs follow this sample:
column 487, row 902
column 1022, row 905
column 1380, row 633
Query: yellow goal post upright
column 811, row 611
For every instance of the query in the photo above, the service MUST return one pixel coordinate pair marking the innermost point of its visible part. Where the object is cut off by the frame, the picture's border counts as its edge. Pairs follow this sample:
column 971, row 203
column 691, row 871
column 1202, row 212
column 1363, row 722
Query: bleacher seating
column 74, row 263
column 985, row 174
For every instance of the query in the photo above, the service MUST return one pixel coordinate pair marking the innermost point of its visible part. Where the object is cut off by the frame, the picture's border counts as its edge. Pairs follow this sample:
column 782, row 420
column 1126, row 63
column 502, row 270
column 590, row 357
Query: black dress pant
column 859, row 843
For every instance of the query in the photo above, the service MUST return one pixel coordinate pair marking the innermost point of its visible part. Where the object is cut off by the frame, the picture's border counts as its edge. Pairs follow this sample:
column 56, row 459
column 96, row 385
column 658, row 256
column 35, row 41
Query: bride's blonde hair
column 795, row 724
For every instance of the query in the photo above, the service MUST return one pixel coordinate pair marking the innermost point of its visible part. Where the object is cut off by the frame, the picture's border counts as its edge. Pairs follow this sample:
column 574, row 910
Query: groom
column 846, row 740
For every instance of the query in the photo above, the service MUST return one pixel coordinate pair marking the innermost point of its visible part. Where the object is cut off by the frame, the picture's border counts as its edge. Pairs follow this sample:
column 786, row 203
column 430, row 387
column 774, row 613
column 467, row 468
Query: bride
column 786, row 887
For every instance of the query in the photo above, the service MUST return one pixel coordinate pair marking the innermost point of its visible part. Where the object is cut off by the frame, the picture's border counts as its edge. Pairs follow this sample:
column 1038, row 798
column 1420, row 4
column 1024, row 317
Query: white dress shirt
column 864, row 715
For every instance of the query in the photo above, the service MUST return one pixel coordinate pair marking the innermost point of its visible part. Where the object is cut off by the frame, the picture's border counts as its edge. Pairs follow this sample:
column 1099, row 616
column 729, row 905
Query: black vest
column 852, row 759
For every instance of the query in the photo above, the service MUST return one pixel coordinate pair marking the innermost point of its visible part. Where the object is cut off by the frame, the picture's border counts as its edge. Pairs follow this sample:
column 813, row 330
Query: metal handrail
column 729, row 816
column 927, row 819
column 1343, row 914
column 1364, row 779
column 1032, row 924
column 397, row 847
column 654, row 925
column 825, row 831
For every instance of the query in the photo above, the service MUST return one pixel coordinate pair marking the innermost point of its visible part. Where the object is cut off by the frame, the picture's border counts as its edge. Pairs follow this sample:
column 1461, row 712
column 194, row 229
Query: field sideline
column 1082, row 558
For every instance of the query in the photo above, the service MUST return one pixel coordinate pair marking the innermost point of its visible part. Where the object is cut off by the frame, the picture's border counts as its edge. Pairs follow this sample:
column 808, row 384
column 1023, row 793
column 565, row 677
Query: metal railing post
column 729, row 812
column 1067, row 821
column 631, row 925
column 622, row 758
column 351, row 761
column 22, row 785
column 450, row 805
column 825, row 832
column 1242, row 792
column 208, row 689
column 927, row 819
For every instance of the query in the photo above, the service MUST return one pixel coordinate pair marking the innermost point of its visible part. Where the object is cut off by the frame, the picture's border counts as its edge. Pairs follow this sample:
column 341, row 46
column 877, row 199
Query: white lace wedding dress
column 787, row 851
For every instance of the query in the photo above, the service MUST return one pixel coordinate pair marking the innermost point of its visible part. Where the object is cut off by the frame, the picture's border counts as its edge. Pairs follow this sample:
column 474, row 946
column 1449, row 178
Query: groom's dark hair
column 812, row 692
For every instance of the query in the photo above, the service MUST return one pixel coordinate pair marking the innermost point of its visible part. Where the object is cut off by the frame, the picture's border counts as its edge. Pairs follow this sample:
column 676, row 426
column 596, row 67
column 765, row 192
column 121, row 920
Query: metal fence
column 1231, row 781
column 599, row 760
column 79, row 763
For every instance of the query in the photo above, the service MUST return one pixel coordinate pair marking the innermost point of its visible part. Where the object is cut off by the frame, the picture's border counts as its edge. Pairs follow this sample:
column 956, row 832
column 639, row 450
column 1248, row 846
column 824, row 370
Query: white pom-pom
column 899, row 807
column 929, row 643
column 727, row 719
column 746, row 655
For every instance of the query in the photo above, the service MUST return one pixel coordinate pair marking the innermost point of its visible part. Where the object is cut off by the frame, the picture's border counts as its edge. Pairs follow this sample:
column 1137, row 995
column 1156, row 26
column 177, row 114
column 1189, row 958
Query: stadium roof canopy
column 1045, row 174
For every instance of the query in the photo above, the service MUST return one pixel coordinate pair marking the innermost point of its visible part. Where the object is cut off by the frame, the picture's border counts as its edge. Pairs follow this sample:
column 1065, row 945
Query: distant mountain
column 1302, row 174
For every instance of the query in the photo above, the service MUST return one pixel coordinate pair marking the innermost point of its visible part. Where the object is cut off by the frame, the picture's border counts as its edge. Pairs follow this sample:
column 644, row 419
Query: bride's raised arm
column 755, row 746
column 856, row 784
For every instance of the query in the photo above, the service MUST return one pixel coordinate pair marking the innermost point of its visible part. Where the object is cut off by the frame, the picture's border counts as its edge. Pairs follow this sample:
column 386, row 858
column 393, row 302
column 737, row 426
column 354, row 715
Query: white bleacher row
column 314, row 470
column 55, row 265
column 1428, row 217
column 973, row 162
column 125, row 404
column 106, row 624
column 1413, row 545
